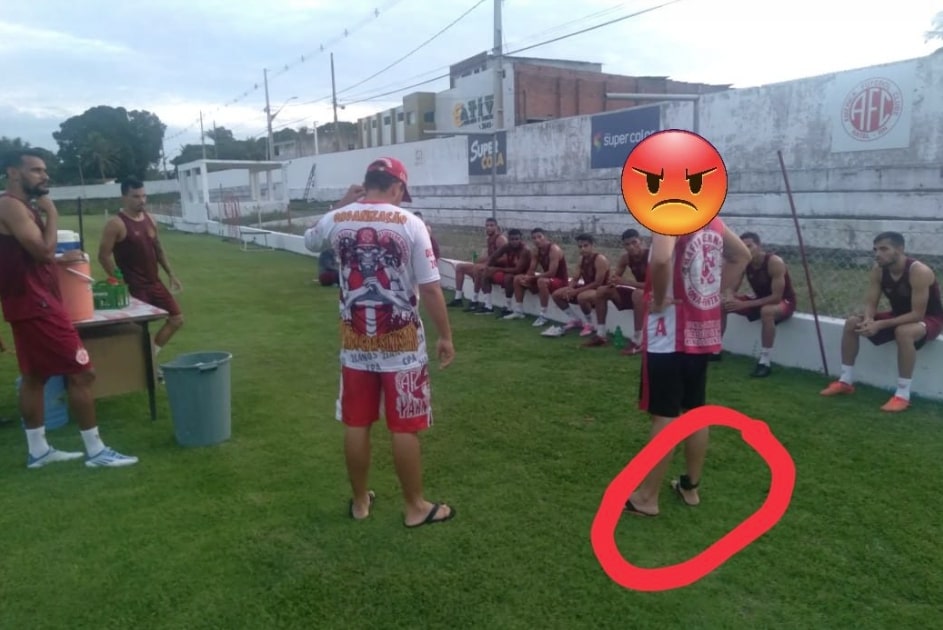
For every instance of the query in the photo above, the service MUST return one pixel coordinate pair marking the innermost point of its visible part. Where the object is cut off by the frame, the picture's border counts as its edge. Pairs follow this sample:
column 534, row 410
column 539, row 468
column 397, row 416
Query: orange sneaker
column 896, row 403
column 836, row 388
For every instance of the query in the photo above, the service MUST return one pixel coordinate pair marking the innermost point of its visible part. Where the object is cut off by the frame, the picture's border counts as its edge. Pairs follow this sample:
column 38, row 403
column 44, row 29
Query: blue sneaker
column 50, row 457
column 110, row 458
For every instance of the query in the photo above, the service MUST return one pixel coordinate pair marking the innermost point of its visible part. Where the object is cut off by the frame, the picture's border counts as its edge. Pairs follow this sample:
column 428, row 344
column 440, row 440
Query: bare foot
column 428, row 513
column 360, row 509
column 635, row 505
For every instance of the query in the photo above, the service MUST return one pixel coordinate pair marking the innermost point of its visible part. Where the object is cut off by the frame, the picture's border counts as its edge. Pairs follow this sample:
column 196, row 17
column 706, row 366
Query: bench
column 796, row 341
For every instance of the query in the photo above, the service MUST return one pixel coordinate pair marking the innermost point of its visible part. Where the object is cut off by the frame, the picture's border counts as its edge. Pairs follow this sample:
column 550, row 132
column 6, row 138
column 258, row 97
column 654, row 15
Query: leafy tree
column 117, row 142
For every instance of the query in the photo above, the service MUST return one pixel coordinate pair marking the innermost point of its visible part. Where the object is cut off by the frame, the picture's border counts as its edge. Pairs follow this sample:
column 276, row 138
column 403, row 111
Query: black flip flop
column 350, row 507
column 631, row 509
column 431, row 519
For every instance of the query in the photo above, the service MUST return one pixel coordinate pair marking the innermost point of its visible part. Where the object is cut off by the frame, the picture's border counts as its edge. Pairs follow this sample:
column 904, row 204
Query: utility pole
column 497, row 119
column 202, row 135
column 315, row 137
column 337, row 131
column 215, row 141
column 268, row 116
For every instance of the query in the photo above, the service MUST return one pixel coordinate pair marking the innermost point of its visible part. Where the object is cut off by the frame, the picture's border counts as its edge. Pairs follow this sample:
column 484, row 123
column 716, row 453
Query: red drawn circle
column 755, row 433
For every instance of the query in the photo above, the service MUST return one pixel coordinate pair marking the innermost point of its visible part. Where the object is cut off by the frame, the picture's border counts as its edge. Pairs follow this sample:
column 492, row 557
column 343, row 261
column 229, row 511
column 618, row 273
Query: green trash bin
column 198, row 389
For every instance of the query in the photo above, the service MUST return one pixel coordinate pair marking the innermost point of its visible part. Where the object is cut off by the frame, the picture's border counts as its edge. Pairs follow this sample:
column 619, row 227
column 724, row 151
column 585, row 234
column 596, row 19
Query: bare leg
column 519, row 281
column 850, row 341
column 543, row 290
column 907, row 336
column 768, row 317
column 638, row 312
column 357, row 454
column 32, row 401
column 407, row 458
column 559, row 300
column 168, row 330
column 81, row 399
column 695, row 452
column 645, row 497
column 603, row 295
column 586, row 301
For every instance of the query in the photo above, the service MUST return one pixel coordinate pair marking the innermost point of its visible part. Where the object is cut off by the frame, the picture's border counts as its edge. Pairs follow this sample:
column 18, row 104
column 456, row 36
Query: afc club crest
column 871, row 109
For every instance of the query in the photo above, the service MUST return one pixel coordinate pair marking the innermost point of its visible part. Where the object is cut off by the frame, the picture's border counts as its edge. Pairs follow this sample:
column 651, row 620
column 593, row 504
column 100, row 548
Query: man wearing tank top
column 131, row 238
column 47, row 343
column 773, row 300
column 688, row 279
column 915, row 316
column 576, row 299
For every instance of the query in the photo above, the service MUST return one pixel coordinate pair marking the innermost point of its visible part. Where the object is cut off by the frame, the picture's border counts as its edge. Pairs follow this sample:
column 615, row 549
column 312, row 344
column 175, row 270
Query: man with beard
column 546, row 274
column 47, row 344
column 915, row 316
column 501, row 268
column 494, row 240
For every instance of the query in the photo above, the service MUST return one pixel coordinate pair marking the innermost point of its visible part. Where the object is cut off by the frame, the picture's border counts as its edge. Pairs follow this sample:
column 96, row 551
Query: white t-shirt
column 383, row 253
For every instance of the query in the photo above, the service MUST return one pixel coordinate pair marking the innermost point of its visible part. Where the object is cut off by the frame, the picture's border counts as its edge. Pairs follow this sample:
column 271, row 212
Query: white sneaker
column 553, row 331
column 540, row 321
column 52, row 456
column 514, row 315
column 110, row 458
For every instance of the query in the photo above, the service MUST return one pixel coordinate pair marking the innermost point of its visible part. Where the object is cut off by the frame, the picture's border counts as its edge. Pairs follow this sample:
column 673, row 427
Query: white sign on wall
column 871, row 109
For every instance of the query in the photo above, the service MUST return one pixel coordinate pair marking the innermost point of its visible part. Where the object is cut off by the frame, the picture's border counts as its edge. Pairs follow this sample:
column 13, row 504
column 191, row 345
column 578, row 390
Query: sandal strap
column 685, row 483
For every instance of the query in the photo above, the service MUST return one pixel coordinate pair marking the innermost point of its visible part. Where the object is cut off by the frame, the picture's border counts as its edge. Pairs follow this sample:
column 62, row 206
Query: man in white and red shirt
column 386, row 264
column 688, row 277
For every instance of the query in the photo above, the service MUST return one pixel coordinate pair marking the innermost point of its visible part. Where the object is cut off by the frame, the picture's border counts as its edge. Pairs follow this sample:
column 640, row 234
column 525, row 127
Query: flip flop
column 631, row 509
column 350, row 507
column 676, row 486
column 431, row 519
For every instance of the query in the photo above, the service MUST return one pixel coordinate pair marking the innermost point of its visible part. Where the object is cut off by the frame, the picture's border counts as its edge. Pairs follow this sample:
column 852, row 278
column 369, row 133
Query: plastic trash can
column 56, row 403
column 198, row 389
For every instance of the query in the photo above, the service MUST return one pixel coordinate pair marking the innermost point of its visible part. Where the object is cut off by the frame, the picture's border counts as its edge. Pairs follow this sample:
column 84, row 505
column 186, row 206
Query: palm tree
column 102, row 153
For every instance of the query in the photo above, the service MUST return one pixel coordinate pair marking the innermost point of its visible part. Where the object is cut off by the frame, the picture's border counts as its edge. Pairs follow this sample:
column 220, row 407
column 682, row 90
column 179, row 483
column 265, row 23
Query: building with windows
column 534, row 90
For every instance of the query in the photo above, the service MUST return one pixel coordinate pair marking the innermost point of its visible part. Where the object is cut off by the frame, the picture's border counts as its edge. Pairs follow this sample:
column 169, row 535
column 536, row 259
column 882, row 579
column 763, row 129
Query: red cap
column 395, row 168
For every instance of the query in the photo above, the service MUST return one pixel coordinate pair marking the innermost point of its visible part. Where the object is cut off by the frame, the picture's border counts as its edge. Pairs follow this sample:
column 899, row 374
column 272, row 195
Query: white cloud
column 18, row 38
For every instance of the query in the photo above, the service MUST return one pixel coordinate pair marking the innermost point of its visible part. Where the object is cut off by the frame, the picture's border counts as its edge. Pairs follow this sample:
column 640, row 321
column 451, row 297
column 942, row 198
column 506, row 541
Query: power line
column 522, row 49
column 417, row 48
column 303, row 58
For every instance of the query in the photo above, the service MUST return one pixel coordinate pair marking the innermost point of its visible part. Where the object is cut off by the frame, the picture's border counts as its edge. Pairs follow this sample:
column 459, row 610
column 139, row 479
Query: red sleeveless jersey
column 899, row 292
column 693, row 325
column 762, row 282
column 136, row 255
column 543, row 260
column 28, row 289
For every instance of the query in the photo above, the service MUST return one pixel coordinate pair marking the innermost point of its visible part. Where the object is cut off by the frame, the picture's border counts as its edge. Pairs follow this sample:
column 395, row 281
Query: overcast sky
column 178, row 57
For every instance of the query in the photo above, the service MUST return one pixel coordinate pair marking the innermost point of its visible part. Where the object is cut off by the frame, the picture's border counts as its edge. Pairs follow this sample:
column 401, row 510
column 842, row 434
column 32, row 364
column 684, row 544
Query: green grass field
column 529, row 432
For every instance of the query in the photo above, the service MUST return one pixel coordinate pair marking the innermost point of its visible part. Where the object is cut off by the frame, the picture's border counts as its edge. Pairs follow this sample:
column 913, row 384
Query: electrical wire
column 521, row 49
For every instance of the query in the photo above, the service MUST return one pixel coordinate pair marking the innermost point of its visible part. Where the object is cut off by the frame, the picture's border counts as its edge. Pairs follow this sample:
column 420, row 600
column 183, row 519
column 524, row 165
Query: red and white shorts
column 405, row 396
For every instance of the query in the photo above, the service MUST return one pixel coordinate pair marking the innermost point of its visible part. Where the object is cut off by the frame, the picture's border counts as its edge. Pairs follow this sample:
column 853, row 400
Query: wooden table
column 119, row 344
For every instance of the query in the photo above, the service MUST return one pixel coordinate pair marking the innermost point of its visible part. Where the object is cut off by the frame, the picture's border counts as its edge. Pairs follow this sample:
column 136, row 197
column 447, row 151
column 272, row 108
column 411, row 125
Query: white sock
column 458, row 294
column 637, row 338
column 846, row 374
column 572, row 313
column 488, row 301
column 93, row 442
column 591, row 318
column 903, row 388
column 475, row 297
column 157, row 349
column 764, row 355
column 543, row 311
column 519, row 307
column 600, row 330
column 36, row 440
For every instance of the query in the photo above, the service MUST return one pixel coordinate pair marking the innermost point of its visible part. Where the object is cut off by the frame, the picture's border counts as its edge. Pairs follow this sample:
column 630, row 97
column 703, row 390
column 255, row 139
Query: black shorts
column 675, row 383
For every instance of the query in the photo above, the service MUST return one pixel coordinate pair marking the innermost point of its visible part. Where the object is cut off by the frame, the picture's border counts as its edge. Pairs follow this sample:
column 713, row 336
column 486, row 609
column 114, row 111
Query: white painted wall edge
column 796, row 344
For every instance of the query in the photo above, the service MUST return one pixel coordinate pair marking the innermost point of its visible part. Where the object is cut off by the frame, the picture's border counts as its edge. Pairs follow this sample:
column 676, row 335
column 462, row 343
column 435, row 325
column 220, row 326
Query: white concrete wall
column 110, row 191
column 796, row 344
